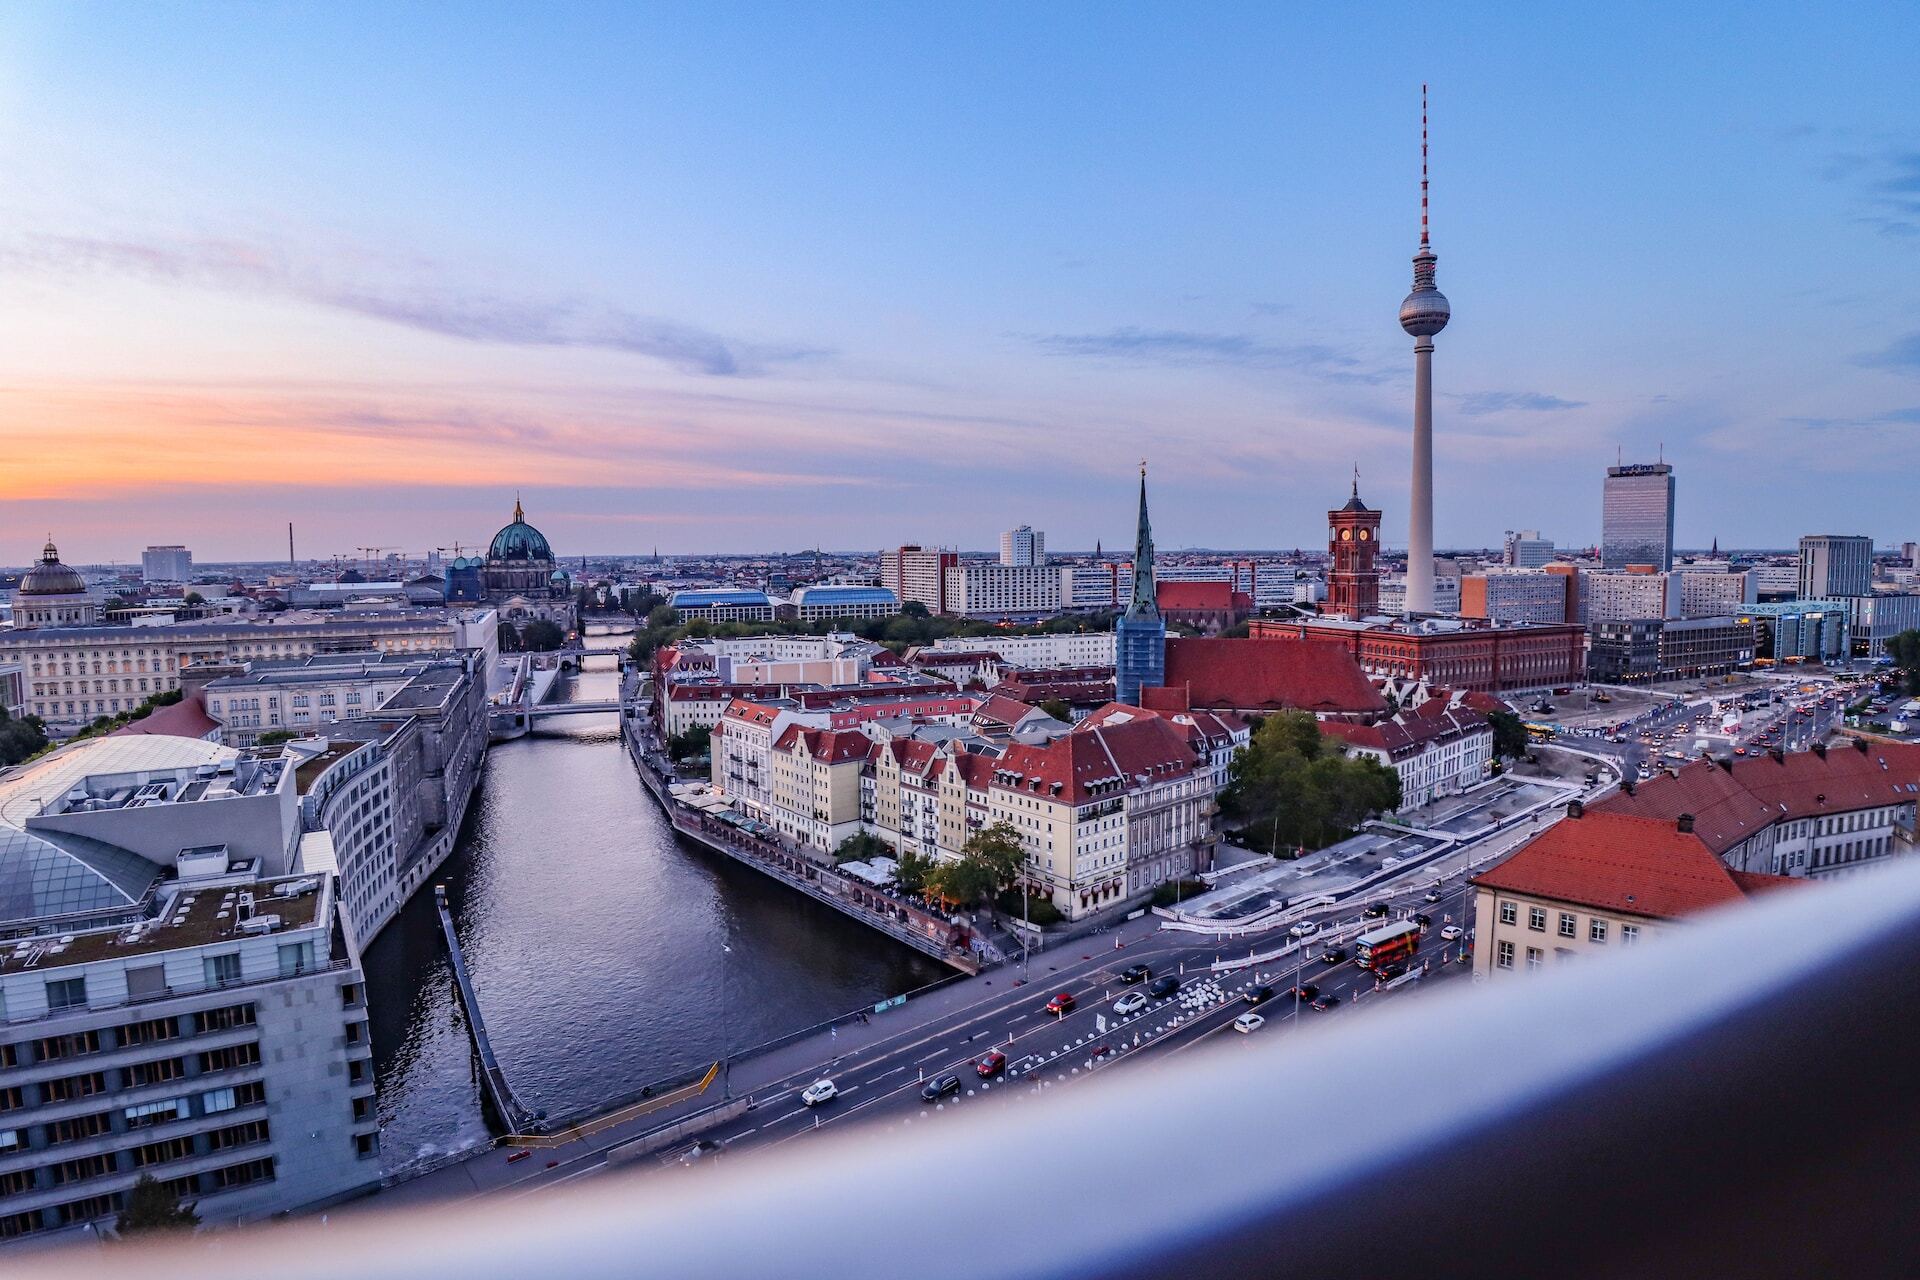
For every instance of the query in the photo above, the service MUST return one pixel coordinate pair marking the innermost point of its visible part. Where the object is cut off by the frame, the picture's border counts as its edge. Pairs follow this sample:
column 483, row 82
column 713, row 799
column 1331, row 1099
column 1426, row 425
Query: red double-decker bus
column 1389, row 944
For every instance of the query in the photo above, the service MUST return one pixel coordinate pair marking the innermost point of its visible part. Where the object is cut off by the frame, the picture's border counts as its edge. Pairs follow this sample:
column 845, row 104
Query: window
column 152, row 1031
column 1509, row 912
column 1503, row 955
column 239, row 1135
column 1534, row 957
column 66, row 993
column 239, row 1055
column 55, row 1048
column 145, row 1073
column 235, row 1015
column 1596, row 930
column 1568, row 924
column 1629, row 934
column 223, row 970
column 240, row 1175
column 295, row 958
column 216, row 1101
column 180, row 1148
column 68, row 1088
column 148, row 1114
column 80, row 1127
column 1537, row 919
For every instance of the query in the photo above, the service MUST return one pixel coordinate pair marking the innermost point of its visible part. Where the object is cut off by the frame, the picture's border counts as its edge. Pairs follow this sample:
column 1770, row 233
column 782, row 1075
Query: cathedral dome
column 519, row 541
column 50, row 577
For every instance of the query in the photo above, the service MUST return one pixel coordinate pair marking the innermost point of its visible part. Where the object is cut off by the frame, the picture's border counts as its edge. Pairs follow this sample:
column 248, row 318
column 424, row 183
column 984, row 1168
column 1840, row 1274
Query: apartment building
column 1023, row 546
column 1594, row 883
column 1630, row 595
column 814, row 782
column 1002, row 591
column 1518, row 595
column 1069, row 649
column 1714, row 592
column 1435, row 753
column 917, row 573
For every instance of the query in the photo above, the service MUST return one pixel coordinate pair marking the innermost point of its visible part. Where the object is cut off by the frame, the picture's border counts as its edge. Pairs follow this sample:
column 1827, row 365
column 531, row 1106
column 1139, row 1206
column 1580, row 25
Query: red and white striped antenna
column 1423, row 166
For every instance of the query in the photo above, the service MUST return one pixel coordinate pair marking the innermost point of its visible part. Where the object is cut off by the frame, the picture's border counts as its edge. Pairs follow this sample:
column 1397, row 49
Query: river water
column 607, row 953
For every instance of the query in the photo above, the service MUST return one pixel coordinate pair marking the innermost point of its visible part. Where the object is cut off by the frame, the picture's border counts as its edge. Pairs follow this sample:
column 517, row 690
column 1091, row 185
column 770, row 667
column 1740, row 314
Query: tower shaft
column 1420, row 507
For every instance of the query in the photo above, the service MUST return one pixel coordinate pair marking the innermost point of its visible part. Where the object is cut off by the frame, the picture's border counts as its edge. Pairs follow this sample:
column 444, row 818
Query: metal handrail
column 1724, row 1100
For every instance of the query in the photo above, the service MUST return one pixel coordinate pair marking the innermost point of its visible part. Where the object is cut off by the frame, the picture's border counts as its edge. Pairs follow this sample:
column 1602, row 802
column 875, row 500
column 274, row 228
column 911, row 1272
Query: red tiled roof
column 1193, row 595
column 1110, row 758
column 186, row 718
column 997, row 708
column 1730, row 806
column 1618, row 862
column 1203, row 729
column 1410, row 733
column 828, row 746
column 1259, row 676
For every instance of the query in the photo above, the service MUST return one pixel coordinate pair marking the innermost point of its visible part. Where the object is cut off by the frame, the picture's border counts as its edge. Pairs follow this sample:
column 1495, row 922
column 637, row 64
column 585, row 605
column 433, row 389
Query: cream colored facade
column 814, row 802
column 1090, row 856
column 1517, row 934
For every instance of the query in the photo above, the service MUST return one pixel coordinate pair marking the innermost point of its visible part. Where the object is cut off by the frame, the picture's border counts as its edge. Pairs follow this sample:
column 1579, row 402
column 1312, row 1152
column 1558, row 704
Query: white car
column 1452, row 932
column 819, row 1091
column 1130, row 1003
column 1248, row 1023
column 1305, row 929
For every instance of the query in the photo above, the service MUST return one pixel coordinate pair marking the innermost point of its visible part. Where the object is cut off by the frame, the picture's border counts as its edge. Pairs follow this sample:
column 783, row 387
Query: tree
column 194, row 598
column 961, row 881
column 1289, row 790
column 1058, row 709
column 862, row 846
column 662, row 616
column 509, row 637
column 1509, row 735
column 997, row 849
column 911, row 870
column 1904, row 649
column 914, row 609
column 274, row 737
column 696, row 741
column 20, row 739
column 541, row 636
column 151, row 1207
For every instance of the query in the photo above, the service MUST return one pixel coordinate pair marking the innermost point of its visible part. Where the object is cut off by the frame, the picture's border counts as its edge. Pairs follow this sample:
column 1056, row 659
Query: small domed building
column 53, row 595
column 521, row 579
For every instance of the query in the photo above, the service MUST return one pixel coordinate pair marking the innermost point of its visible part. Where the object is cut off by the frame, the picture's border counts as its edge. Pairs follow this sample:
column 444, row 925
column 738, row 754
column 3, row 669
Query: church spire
column 519, row 517
column 1145, row 606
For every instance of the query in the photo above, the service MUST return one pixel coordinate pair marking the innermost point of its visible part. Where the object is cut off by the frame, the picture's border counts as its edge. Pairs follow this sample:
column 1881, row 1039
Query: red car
column 1062, row 1004
column 991, row 1065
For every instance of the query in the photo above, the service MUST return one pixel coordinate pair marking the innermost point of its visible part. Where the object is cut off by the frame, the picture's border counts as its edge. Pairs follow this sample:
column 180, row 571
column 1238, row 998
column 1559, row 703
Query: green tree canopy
column 1509, row 735
column 1291, row 788
column 696, row 741
column 541, row 636
column 152, row 1208
column 1058, row 709
column 912, row 870
column 997, row 849
column 20, row 739
column 1904, row 649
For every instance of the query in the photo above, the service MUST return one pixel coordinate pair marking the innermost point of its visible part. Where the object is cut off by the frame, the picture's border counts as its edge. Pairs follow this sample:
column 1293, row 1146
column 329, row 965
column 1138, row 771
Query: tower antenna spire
column 1423, row 166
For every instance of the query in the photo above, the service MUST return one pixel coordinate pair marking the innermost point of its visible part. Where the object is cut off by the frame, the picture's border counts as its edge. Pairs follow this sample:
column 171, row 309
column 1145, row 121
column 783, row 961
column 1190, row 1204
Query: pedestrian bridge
column 541, row 711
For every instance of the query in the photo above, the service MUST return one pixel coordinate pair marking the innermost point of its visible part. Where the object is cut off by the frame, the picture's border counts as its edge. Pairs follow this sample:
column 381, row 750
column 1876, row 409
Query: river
column 607, row 954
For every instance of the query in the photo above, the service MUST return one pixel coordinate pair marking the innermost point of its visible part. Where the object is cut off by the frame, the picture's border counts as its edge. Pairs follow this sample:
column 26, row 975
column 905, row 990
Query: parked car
column 821, row 1090
column 1129, row 1004
column 1375, row 910
column 992, row 1065
column 1248, row 1023
column 1334, row 955
column 1161, row 988
column 1433, row 895
column 1422, row 919
column 1135, row 973
column 1062, row 1004
column 939, row 1087
column 1260, row 994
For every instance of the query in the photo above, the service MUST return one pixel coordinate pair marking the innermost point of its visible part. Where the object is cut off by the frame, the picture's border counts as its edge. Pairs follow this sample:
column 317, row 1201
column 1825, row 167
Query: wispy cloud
column 1862, row 422
column 1888, row 186
column 1479, row 402
column 1903, row 356
column 1191, row 347
column 432, row 305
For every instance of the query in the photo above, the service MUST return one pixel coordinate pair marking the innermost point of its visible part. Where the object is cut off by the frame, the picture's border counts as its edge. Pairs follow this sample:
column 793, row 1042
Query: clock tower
column 1353, row 540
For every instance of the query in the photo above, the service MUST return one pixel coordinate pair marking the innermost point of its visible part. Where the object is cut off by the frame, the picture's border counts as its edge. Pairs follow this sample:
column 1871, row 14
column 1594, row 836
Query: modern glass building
column 1636, row 517
column 1835, row 564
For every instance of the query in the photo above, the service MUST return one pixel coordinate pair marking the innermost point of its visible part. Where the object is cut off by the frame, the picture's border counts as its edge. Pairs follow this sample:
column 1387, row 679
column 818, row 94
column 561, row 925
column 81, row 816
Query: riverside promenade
column 924, row 931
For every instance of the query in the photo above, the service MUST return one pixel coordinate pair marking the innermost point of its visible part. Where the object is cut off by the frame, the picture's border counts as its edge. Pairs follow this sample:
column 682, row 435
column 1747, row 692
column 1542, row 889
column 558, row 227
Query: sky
column 716, row 277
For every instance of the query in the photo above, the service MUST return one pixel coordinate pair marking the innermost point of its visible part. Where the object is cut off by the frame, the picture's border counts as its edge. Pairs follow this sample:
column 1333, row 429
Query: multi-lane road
column 880, row 1081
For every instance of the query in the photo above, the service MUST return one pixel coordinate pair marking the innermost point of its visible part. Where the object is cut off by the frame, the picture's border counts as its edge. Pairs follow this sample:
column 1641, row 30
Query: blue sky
column 756, row 277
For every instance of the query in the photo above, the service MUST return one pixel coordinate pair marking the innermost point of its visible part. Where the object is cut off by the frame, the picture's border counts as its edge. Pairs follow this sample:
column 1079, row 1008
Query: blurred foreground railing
column 1736, row 1099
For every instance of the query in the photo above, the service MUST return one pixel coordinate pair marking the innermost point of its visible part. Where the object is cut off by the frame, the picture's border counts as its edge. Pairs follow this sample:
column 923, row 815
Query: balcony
column 1718, row 1102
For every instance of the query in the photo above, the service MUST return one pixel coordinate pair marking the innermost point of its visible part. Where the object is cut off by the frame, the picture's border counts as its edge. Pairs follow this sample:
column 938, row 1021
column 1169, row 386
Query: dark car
column 1334, row 955
column 1306, row 991
column 1135, row 973
column 1062, row 1004
column 1325, row 1000
column 1260, row 994
column 1423, row 920
column 1388, row 972
column 939, row 1087
column 1163, row 987
column 992, row 1065
column 1375, row 910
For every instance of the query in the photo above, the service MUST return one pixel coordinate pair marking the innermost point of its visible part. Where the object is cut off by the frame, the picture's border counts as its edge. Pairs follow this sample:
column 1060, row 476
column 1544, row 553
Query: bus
column 1538, row 732
column 1389, row 944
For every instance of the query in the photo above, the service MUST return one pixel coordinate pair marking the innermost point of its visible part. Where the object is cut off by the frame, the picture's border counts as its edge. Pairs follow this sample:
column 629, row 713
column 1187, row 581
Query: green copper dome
column 519, row 541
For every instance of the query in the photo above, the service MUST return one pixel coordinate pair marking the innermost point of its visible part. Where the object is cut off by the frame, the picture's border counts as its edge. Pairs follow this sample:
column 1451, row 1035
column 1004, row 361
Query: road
column 1690, row 725
column 880, row 1082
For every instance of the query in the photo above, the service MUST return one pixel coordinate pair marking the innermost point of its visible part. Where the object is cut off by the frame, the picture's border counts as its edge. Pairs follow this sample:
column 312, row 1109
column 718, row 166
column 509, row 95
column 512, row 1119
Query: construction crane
column 366, row 562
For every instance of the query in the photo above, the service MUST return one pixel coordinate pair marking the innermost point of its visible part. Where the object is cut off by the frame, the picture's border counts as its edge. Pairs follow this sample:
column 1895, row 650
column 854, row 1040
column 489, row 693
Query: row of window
column 1569, row 924
column 79, row 1044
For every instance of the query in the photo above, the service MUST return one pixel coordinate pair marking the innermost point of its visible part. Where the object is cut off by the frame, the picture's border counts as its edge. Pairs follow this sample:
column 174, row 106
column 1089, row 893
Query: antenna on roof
column 1423, row 166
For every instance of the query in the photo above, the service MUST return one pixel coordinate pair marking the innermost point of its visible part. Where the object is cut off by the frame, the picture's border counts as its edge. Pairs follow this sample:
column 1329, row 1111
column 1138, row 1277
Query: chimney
column 1860, row 745
column 1684, row 822
column 1575, row 809
column 1725, row 762
column 1820, row 749
column 1779, row 755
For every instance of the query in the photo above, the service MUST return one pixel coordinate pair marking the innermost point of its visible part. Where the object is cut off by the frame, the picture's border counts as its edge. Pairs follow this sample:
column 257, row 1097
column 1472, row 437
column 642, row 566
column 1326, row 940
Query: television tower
column 1422, row 315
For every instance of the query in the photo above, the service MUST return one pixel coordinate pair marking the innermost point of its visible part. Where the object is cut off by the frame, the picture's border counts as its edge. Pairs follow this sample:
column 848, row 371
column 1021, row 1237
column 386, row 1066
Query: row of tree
column 991, row 860
column 1904, row 649
column 1291, row 790
column 536, row 635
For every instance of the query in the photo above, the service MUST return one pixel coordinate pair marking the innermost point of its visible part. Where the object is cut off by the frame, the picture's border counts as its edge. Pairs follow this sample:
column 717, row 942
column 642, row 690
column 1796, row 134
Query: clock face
column 1346, row 535
column 1365, row 534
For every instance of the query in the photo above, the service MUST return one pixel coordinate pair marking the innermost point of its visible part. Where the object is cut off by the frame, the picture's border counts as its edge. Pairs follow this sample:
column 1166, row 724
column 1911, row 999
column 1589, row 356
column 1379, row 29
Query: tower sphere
column 1425, row 312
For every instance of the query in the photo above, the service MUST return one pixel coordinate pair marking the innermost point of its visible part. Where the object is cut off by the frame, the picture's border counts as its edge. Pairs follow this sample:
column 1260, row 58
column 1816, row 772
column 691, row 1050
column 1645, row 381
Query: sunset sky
column 756, row 277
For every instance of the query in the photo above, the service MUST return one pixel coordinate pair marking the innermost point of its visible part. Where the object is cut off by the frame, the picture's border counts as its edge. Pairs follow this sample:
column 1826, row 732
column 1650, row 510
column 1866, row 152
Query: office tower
column 1636, row 517
column 1021, row 547
column 1835, row 564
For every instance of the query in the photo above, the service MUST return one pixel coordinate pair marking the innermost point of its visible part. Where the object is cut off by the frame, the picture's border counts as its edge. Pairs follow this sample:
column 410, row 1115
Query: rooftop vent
column 1684, row 822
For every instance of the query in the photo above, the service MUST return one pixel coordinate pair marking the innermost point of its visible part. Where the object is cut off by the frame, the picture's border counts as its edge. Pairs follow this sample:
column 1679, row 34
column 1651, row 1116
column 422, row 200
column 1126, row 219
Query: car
column 1260, row 994
column 1135, row 973
column 1432, row 895
column 1375, row 910
column 1334, row 955
column 1422, row 919
column 1248, row 1023
column 990, row 1066
column 1305, row 992
column 820, row 1091
column 1062, row 1004
column 1163, row 987
column 1452, row 932
column 699, row 1151
column 1101, row 1051
column 1305, row 929
column 1325, row 1000
column 1129, row 1004
column 939, row 1087
column 1388, row 972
